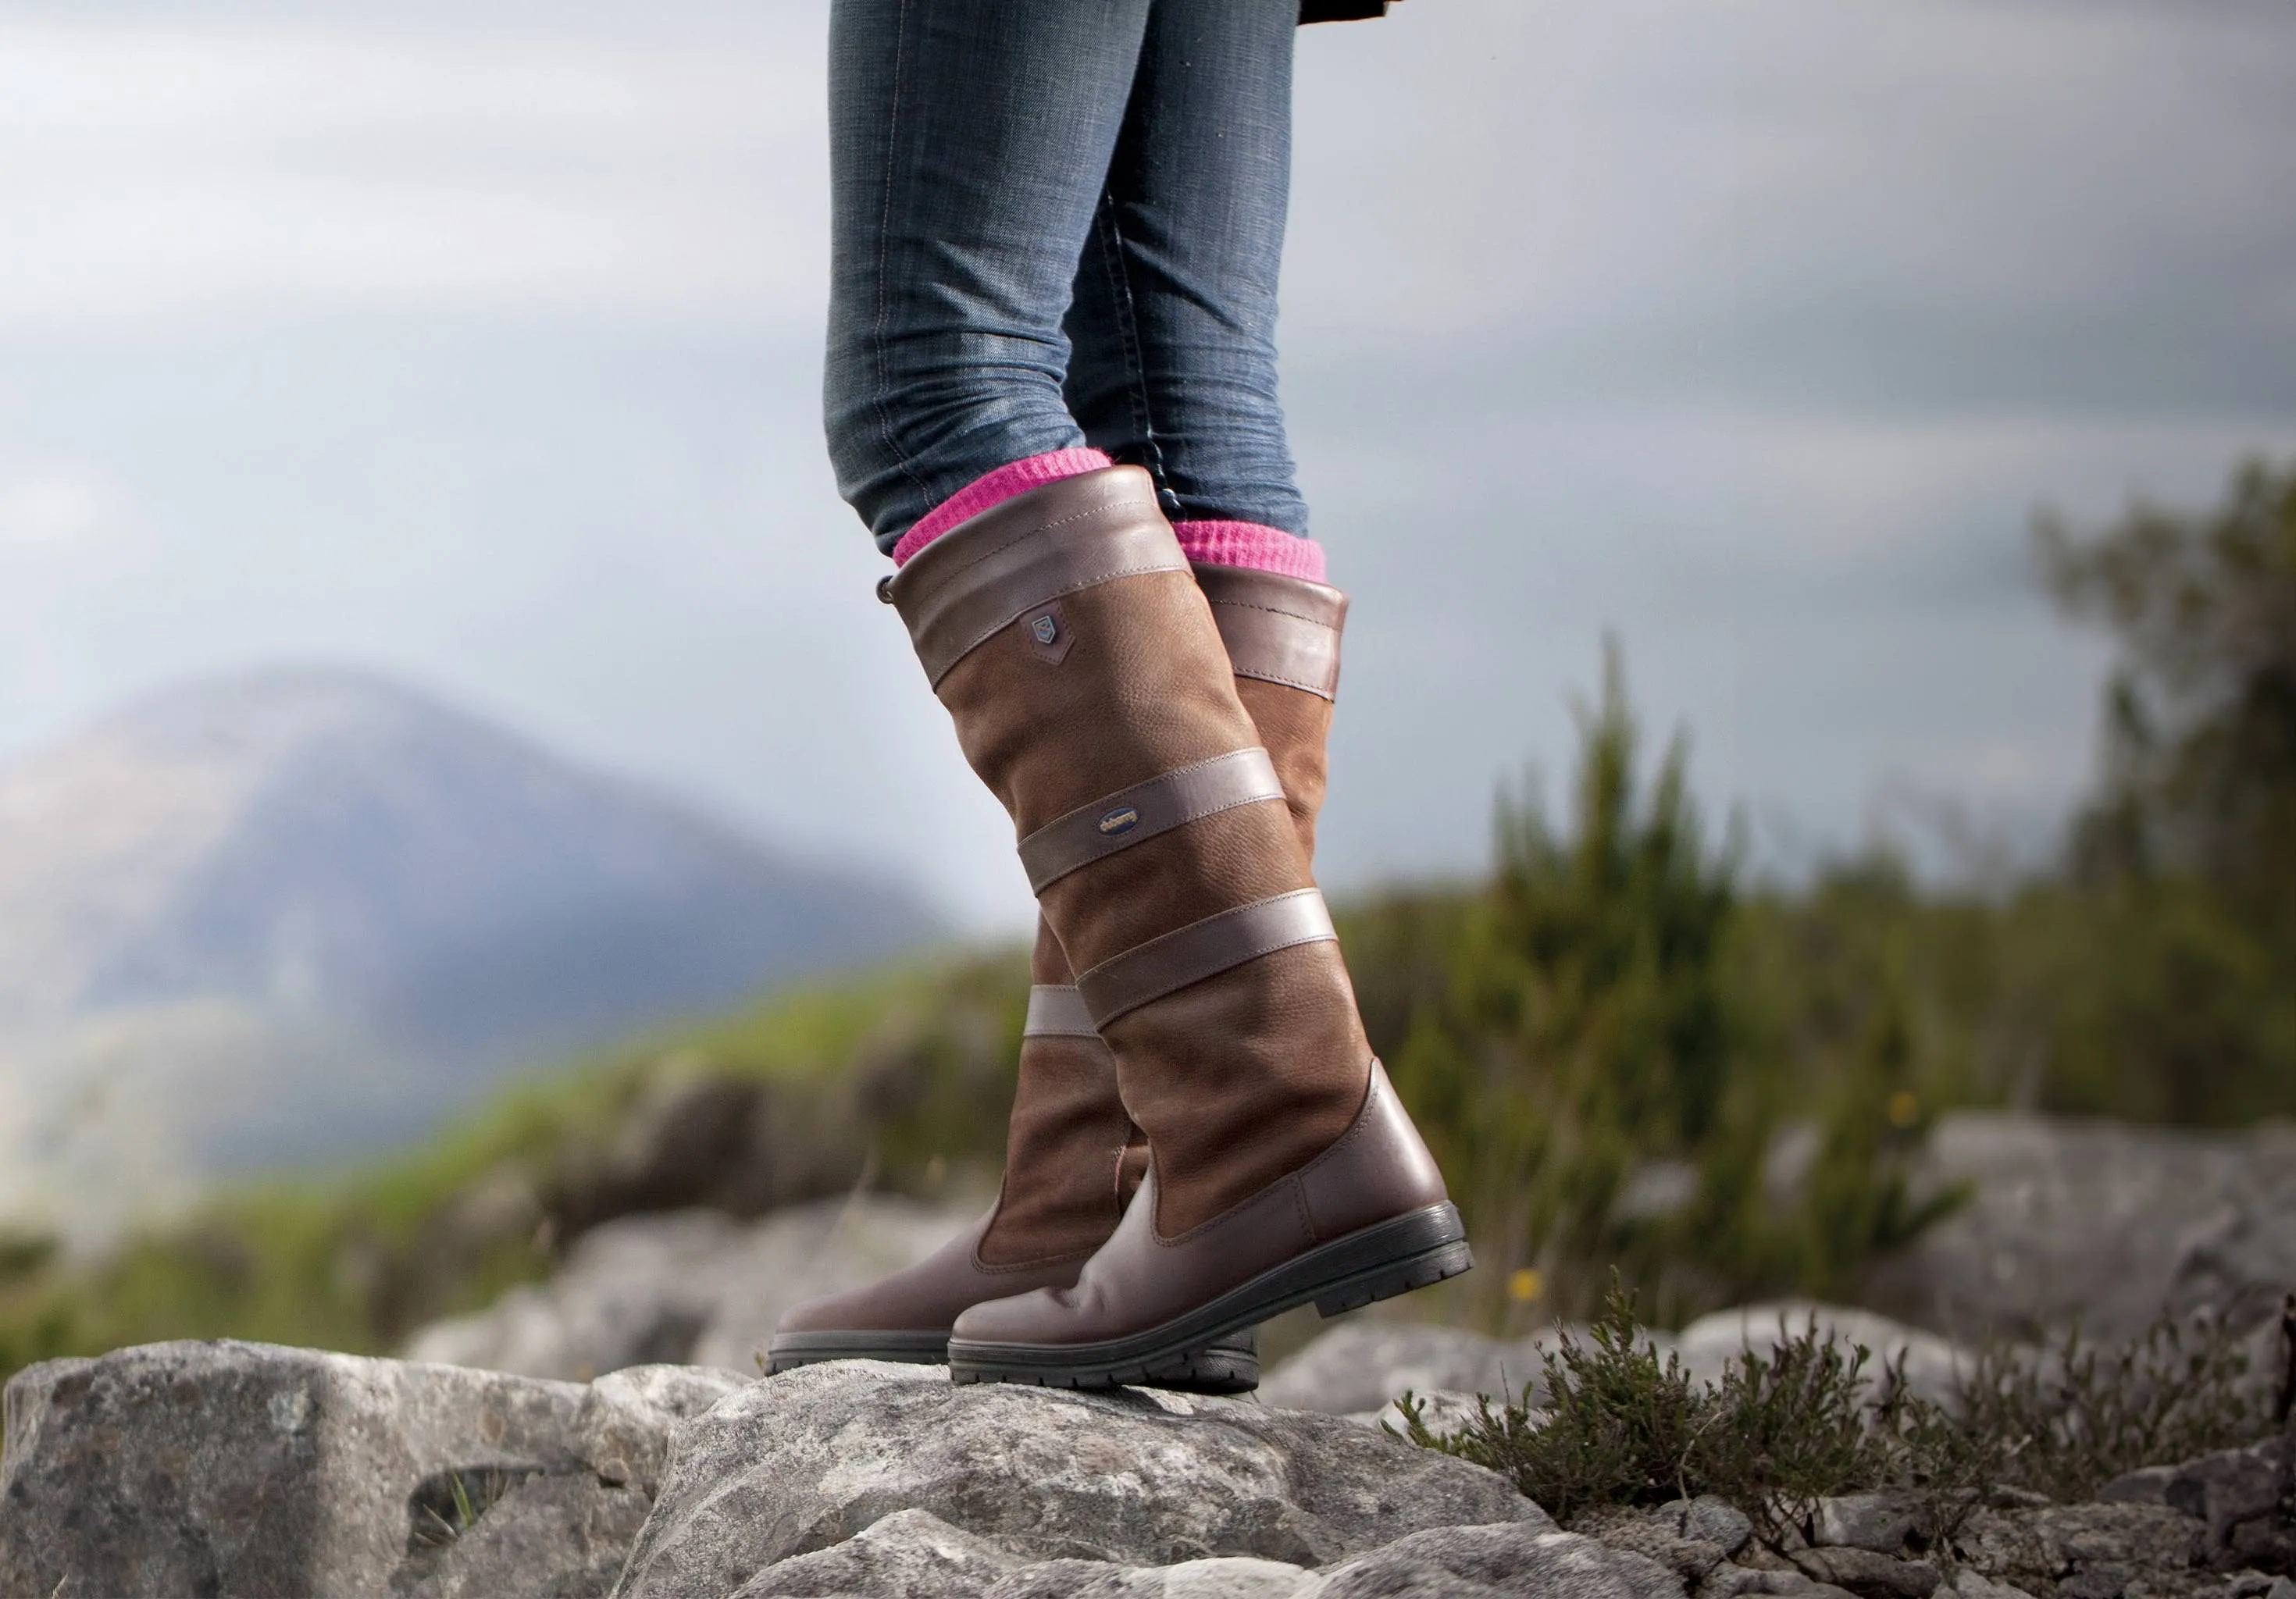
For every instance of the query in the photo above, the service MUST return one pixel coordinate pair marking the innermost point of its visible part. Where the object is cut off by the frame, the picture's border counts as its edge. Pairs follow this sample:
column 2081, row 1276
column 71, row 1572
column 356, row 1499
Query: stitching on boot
column 1362, row 1121
column 1265, row 1196
column 1313, row 621
column 1298, row 1179
column 1038, row 1263
column 1031, row 531
column 1092, row 581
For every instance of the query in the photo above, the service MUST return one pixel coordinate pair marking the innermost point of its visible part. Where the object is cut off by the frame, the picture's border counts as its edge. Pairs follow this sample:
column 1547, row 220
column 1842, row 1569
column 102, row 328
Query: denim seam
column 1128, row 337
column 885, row 429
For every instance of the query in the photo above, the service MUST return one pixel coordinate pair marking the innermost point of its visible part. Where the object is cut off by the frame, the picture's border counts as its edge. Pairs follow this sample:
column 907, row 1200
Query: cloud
column 477, row 342
column 1899, row 206
column 53, row 507
column 168, row 171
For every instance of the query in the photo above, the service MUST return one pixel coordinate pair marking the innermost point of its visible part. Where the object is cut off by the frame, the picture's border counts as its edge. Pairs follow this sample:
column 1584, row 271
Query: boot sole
column 1390, row 1257
column 1229, row 1365
column 789, row 1350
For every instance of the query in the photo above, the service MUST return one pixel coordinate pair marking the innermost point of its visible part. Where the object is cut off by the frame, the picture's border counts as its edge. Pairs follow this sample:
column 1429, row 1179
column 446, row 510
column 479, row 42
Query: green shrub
column 1601, row 1015
column 1624, row 1425
column 1611, row 1422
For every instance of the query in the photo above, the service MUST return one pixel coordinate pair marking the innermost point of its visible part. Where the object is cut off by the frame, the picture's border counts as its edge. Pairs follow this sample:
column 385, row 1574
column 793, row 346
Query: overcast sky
column 478, row 344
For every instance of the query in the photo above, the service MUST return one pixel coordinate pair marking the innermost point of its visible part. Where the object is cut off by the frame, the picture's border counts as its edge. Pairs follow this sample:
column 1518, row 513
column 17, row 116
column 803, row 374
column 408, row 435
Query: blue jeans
column 1058, row 222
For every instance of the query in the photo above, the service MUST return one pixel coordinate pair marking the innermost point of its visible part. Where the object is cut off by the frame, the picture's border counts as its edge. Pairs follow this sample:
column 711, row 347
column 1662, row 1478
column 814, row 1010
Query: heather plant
column 1623, row 1425
column 2076, row 1414
column 1613, row 1422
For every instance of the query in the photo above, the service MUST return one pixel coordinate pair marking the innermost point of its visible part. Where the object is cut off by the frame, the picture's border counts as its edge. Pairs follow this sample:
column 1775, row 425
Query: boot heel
column 1423, row 1270
column 1207, row 1371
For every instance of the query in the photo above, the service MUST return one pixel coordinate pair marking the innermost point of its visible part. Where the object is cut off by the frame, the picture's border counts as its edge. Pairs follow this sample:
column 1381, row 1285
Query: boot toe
column 831, row 1312
column 1023, row 1318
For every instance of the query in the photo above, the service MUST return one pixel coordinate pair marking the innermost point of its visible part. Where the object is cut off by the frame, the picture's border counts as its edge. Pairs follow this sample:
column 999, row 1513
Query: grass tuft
column 1623, row 1425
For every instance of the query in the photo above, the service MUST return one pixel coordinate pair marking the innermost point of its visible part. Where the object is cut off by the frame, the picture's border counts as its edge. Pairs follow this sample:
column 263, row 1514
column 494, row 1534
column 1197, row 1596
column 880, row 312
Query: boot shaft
column 1068, row 1125
column 1091, row 692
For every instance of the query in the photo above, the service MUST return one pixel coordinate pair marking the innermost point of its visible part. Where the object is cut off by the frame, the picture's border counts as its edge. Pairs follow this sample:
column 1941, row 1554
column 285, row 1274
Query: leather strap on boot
column 1283, row 637
column 1059, row 1011
column 1277, row 629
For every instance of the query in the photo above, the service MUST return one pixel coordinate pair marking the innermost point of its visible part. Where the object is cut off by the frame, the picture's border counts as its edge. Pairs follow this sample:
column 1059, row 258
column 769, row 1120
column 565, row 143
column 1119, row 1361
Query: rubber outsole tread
column 1431, row 1262
column 1412, row 1278
column 1205, row 1371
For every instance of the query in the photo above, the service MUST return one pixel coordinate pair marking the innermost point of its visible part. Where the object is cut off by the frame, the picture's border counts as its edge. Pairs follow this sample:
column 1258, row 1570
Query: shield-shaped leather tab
column 1046, row 629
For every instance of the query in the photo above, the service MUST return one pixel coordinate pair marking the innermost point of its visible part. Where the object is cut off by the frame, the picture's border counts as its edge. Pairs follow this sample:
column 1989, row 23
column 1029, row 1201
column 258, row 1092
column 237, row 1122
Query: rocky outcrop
column 912, row 1554
column 240, row 1468
column 690, row 1286
column 232, row 1468
column 1135, row 1477
column 2244, row 1499
column 1359, row 1366
column 1931, row 1365
column 2098, row 1222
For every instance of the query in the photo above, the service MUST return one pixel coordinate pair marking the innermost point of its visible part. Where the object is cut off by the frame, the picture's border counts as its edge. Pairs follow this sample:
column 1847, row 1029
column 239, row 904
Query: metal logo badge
column 1119, row 821
column 1048, row 635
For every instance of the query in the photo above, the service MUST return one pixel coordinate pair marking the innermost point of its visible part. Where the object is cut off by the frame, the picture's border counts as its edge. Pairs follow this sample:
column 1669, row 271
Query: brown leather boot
column 1090, row 690
column 1073, row 1157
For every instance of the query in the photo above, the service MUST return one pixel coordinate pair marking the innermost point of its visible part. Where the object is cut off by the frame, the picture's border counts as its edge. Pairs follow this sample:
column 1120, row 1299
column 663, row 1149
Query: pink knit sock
column 1247, row 543
column 994, row 488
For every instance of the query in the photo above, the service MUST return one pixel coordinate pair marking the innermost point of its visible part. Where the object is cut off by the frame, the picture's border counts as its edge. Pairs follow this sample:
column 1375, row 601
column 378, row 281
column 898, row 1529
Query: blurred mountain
column 286, row 915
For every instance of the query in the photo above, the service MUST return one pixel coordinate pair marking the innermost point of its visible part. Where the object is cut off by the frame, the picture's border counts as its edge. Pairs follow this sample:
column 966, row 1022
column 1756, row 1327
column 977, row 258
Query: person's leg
column 939, row 421
column 969, row 145
column 1173, row 317
column 1078, row 656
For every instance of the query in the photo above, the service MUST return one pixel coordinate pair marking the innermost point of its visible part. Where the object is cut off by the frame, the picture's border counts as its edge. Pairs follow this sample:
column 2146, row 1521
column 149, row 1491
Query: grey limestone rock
column 2037, row 1549
column 2096, row 1223
column 1881, row 1522
column 1690, row 1538
column 1441, row 1411
column 2238, row 1495
column 1225, row 1577
column 1486, row 1562
column 1931, row 1363
column 1729, row 1582
column 1968, row 1584
column 803, row 1461
column 546, row 1537
column 1716, row 1522
column 908, row 1554
column 690, row 1286
column 1865, row 1572
column 1360, row 1365
column 241, row 1468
